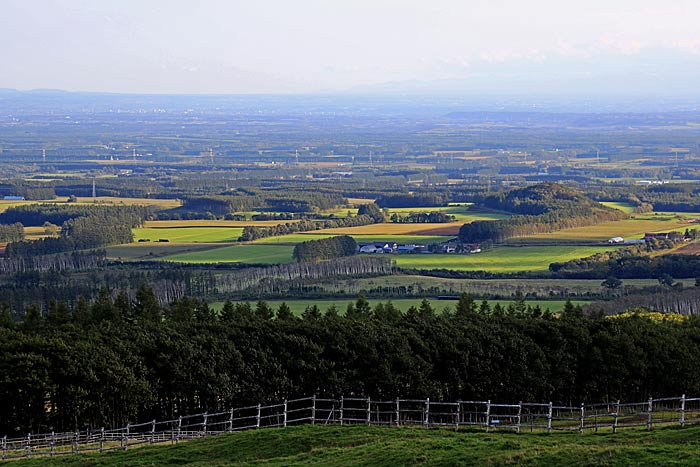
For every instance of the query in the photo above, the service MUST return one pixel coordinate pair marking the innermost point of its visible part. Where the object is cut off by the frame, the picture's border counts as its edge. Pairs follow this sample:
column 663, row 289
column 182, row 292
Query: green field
column 403, row 304
column 189, row 234
column 624, row 207
column 357, row 445
column 500, row 259
column 252, row 254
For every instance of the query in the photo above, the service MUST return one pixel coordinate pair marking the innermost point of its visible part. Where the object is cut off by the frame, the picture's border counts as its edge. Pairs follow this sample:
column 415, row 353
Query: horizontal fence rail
column 485, row 415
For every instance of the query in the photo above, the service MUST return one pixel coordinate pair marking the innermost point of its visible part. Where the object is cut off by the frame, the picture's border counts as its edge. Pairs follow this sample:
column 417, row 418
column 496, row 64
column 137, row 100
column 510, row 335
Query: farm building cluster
column 673, row 236
column 396, row 248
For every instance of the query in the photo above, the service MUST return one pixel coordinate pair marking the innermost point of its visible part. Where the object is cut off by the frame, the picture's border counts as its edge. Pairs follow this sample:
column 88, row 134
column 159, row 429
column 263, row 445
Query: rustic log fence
column 474, row 415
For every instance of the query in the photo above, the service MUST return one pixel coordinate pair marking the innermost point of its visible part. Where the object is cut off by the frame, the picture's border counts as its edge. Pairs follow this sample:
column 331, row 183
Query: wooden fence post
column 398, row 413
column 520, row 412
column 650, row 408
column 369, row 411
column 204, row 423
column 153, row 432
column 682, row 411
column 179, row 429
column 4, row 447
column 257, row 418
column 284, row 419
column 549, row 418
column 28, row 446
column 342, row 407
column 313, row 409
column 488, row 415
column 52, row 446
column 102, row 439
column 230, row 421
column 582, row 419
column 458, row 415
column 126, row 440
column 426, row 415
column 615, row 415
column 75, row 442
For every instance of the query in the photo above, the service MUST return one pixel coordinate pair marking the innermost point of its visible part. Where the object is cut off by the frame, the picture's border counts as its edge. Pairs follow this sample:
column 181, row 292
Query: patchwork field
column 451, row 229
column 248, row 253
column 500, row 259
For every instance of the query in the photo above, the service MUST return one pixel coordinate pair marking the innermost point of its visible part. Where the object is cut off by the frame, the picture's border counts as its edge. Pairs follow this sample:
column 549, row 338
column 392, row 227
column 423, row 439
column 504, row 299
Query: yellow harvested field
column 396, row 229
column 108, row 200
column 627, row 228
column 357, row 201
column 211, row 223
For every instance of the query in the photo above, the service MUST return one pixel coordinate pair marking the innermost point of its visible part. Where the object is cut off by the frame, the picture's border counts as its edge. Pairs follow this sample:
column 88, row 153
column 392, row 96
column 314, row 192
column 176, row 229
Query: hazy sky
column 218, row 46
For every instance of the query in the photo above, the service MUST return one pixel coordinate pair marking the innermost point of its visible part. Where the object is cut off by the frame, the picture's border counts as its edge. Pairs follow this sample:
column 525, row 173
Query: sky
column 308, row 46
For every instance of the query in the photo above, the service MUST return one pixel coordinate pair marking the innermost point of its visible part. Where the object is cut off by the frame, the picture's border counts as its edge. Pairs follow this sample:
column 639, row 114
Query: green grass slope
column 385, row 446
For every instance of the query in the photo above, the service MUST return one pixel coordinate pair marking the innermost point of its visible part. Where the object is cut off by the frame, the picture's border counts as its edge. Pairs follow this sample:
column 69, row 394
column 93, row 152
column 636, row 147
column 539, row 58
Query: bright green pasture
column 252, row 254
column 189, row 234
column 400, row 239
column 499, row 259
column 403, row 304
column 624, row 207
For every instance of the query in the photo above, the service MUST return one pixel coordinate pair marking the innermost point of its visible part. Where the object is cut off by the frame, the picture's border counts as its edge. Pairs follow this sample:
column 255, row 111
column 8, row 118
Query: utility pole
column 43, row 155
column 94, row 191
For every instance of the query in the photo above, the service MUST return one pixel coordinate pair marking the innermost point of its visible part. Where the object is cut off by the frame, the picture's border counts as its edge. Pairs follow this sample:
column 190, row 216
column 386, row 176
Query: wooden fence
column 486, row 415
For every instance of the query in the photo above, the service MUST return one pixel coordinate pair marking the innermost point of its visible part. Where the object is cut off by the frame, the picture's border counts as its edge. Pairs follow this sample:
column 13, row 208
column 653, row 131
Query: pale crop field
column 500, row 259
column 212, row 223
column 189, row 234
column 626, row 228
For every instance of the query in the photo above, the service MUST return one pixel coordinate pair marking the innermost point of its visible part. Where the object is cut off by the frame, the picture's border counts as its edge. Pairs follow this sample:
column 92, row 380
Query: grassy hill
column 377, row 446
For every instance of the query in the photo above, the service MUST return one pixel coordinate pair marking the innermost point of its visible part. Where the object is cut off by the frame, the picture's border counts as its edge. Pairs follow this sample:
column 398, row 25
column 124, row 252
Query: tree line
column 121, row 359
column 11, row 232
column 325, row 248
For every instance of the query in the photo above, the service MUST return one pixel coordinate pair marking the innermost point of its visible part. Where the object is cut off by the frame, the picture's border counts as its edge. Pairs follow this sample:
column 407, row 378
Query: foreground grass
column 386, row 446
